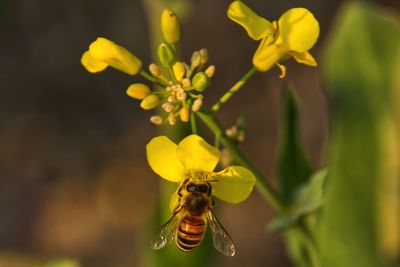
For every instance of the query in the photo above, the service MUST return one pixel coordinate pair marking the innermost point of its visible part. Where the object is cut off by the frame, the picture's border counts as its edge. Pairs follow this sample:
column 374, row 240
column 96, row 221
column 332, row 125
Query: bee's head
column 204, row 188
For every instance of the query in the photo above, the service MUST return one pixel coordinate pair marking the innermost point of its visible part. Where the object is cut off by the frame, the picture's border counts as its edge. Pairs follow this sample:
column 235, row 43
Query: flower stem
column 234, row 89
column 193, row 123
column 262, row 185
column 153, row 79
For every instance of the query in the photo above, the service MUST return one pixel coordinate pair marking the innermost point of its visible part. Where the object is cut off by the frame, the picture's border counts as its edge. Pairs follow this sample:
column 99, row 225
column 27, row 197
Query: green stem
column 171, row 71
column 193, row 122
column 153, row 79
column 265, row 189
column 234, row 89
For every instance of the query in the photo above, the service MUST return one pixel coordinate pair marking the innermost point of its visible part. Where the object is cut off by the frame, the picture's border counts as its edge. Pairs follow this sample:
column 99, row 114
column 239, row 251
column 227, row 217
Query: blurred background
column 75, row 183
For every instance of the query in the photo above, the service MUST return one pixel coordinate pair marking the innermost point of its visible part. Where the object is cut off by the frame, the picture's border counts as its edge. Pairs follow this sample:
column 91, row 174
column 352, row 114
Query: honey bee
column 190, row 219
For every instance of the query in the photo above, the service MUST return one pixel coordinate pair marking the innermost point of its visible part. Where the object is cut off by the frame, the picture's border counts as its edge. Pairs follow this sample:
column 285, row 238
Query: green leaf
column 293, row 167
column 308, row 198
column 359, row 71
column 283, row 222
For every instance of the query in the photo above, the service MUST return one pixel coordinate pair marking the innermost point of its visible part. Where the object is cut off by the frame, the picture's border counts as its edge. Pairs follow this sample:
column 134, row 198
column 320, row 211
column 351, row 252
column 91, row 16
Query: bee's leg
column 212, row 202
column 209, row 189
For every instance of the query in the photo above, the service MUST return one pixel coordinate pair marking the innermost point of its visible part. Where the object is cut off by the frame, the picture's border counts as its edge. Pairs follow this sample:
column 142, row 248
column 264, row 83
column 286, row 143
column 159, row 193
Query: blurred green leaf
column 293, row 167
column 359, row 71
column 283, row 222
column 308, row 198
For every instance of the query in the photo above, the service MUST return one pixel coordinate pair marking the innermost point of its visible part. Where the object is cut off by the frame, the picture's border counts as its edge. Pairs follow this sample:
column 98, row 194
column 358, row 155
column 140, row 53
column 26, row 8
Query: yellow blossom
column 293, row 35
column 103, row 53
column 194, row 158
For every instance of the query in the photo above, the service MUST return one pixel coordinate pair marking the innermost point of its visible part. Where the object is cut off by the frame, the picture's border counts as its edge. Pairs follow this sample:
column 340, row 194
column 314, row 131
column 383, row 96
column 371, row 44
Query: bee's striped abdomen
column 190, row 232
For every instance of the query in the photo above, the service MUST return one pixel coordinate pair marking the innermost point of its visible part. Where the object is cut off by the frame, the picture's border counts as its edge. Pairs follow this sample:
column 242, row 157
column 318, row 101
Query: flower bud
column 184, row 114
column 149, row 102
column 154, row 70
column 171, row 98
column 197, row 104
column 179, row 70
column 170, row 26
column 168, row 107
column 186, row 83
column 171, row 119
column 181, row 95
column 201, row 81
column 138, row 91
column 166, row 54
column 156, row 120
column 210, row 71
column 195, row 60
column 203, row 56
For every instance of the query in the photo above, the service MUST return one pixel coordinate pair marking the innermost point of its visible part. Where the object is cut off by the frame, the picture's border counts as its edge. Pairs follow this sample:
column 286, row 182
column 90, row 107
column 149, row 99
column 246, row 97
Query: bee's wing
column 166, row 233
column 221, row 239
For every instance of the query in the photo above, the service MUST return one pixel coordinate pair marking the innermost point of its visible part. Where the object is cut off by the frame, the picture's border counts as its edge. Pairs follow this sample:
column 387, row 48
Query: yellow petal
column 298, row 29
column 257, row 27
column 92, row 64
column 305, row 58
column 161, row 156
column 283, row 70
column 108, row 52
column 234, row 184
column 267, row 55
column 196, row 154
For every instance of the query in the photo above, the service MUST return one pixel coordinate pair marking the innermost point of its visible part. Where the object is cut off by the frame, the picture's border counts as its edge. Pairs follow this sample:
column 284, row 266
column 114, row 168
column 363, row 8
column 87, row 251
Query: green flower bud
column 170, row 26
column 138, row 91
column 201, row 81
column 166, row 54
column 149, row 102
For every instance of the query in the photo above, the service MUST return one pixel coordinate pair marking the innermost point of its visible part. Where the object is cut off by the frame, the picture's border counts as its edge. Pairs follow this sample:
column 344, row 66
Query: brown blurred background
column 73, row 172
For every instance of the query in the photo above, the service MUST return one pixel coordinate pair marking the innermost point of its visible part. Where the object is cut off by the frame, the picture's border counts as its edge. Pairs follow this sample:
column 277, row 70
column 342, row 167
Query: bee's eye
column 191, row 187
column 203, row 188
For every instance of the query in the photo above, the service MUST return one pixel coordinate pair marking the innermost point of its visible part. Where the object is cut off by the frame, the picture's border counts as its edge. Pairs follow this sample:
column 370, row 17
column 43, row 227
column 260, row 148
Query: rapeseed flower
column 292, row 35
column 194, row 158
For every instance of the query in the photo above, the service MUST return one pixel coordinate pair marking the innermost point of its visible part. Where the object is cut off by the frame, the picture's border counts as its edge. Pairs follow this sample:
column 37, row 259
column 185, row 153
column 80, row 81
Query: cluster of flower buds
column 180, row 89
column 179, row 85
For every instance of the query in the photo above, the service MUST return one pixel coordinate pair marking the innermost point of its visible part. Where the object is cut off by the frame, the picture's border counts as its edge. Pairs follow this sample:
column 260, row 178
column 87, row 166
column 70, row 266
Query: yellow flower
column 103, row 53
column 195, row 158
column 293, row 35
